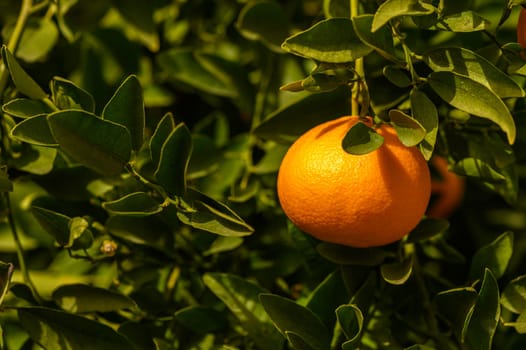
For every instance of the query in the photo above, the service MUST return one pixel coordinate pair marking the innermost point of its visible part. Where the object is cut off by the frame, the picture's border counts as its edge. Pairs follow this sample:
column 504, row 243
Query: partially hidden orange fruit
column 355, row 200
column 447, row 189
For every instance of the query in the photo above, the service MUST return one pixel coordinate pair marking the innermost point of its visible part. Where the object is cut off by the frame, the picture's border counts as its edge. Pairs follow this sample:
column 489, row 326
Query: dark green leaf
column 394, row 8
column 466, row 21
column 428, row 228
column 34, row 130
column 424, row 111
column 486, row 314
column 201, row 319
column 470, row 96
column 98, row 144
column 514, row 295
column 213, row 216
column 25, row 108
column 332, row 40
column 56, row 224
column 147, row 231
column 223, row 244
column 164, row 128
column 361, row 139
column 81, row 298
column 173, row 161
column 494, row 256
column 398, row 272
column 289, row 316
column 468, row 63
column 126, row 108
column 265, row 21
column 53, row 329
column 323, row 81
column 241, row 297
column 397, row 76
column 134, row 204
column 350, row 318
column 287, row 123
column 380, row 40
column 66, row 95
column 298, row 343
column 409, row 130
column 23, row 82
column 327, row 296
column 5, row 183
column 456, row 306
column 344, row 255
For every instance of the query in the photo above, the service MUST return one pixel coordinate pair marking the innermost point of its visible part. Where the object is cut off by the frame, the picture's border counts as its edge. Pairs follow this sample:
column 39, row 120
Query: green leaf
column 289, row 316
column 98, row 144
column 34, row 130
column 519, row 324
column 514, row 295
column 38, row 39
column 241, row 298
column 344, row 255
column 468, row 63
column 80, row 235
column 456, row 306
column 350, row 318
column 397, row 76
column 25, row 108
column 53, row 329
column 298, row 343
column 494, row 256
column 264, row 21
column 289, row 122
column 23, row 82
column 213, row 216
column 486, row 314
column 223, row 244
column 201, row 319
column 134, row 204
column 395, row 8
column 327, row 296
column 424, row 111
column 163, row 129
column 56, row 224
column 173, row 161
column 380, row 40
column 126, row 108
column 397, row 273
column 477, row 168
column 6, row 272
column 66, row 95
column 144, row 231
column 332, row 40
column 465, row 21
column 361, row 139
column 409, row 130
column 428, row 228
column 470, row 96
column 81, row 298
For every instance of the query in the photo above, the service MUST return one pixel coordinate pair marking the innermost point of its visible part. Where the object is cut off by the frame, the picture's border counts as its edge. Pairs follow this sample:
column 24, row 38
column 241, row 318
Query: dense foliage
column 140, row 142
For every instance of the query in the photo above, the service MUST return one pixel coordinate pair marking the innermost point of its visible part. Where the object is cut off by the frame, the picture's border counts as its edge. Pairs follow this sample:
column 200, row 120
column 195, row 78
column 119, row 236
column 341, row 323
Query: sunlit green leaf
column 478, row 169
column 466, row 21
column 332, row 40
column 398, row 272
column 380, row 40
column 409, row 130
column 425, row 112
column 134, row 204
column 469, row 95
column 514, row 295
column 394, row 8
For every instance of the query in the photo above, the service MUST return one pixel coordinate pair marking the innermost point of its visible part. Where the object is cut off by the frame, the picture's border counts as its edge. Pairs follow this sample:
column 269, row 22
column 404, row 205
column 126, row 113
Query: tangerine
column 447, row 189
column 356, row 200
column 521, row 28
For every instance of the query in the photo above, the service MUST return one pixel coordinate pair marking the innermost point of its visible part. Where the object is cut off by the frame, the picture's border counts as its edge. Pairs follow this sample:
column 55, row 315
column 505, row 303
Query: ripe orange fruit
column 521, row 28
column 356, row 200
column 447, row 190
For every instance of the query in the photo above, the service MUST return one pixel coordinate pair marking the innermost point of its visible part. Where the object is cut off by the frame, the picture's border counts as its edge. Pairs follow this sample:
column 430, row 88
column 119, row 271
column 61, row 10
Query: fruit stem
column 359, row 85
